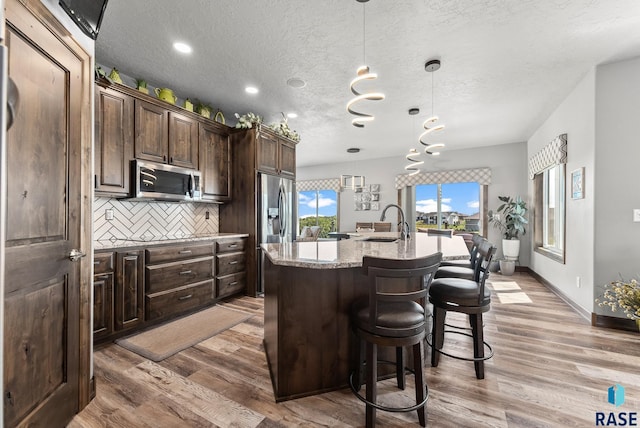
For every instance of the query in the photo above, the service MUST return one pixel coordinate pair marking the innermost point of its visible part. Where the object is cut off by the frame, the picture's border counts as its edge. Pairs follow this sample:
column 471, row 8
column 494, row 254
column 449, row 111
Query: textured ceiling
column 506, row 64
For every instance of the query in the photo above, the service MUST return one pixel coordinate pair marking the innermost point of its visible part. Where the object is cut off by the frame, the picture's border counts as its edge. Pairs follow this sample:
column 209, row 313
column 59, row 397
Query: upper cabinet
column 215, row 162
column 131, row 125
column 164, row 136
column 113, row 141
column 275, row 155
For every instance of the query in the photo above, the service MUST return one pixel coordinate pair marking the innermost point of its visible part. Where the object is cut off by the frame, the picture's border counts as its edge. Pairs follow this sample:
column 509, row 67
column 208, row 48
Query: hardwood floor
column 550, row 369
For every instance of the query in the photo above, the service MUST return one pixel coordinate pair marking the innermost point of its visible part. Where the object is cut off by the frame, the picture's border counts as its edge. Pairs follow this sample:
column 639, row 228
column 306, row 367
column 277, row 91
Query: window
column 549, row 187
column 318, row 208
column 448, row 206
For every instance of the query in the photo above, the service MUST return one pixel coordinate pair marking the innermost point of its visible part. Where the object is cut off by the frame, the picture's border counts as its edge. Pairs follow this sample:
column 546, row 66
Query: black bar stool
column 469, row 296
column 393, row 315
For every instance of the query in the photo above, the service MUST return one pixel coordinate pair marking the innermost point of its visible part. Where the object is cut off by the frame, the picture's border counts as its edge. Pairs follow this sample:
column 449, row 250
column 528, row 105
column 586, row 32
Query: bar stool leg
column 400, row 367
column 437, row 334
column 372, row 378
column 419, row 381
column 478, row 345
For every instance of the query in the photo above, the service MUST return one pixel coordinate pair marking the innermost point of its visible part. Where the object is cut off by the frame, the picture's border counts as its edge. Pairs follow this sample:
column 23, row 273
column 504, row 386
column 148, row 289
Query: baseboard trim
column 597, row 320
column 616, row 323
column 580, row 310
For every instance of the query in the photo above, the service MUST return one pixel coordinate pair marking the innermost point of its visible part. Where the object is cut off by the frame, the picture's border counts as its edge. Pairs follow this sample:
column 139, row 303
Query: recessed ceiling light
column 251, row 90
column 296, row 82
column 182, row 47
column 292, row 115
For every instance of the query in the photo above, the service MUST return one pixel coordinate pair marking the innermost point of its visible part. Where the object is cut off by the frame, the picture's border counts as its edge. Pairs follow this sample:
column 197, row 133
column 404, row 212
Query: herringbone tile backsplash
column 152, row 220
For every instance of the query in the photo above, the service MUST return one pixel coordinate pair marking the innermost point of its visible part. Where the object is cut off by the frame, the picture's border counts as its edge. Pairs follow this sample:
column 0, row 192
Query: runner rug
column 170, row 338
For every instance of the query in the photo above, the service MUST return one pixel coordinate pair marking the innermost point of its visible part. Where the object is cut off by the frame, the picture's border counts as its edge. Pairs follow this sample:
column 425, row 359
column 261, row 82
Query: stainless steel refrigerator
column 276, row 214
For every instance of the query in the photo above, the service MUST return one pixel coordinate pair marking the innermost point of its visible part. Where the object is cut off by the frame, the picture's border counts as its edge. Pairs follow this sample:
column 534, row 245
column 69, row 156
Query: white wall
column 575, row 116
column 617, row 166
column 508, row 164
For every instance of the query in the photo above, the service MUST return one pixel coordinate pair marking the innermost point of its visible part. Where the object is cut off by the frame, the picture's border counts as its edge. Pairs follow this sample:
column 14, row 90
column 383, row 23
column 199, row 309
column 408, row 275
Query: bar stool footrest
column 385, row 408
column 458, row 357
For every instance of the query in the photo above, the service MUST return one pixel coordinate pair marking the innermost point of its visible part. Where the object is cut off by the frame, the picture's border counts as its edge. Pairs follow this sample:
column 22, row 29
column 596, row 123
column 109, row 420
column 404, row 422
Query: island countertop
column 348, row 253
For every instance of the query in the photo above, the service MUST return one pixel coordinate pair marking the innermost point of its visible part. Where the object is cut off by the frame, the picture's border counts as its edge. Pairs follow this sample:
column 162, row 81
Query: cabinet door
column 267, row 153
column 113, row 142
column 102, row 305
column 129, row 290
column 183, row 141
column 215, row 163
column 151, row 138
column 287, row 157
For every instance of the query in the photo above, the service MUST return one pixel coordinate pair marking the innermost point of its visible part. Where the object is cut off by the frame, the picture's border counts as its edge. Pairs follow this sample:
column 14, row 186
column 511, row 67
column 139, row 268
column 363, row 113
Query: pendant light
column 412, row 157
column 349, row 181
column 430, row 125
column 363, row 73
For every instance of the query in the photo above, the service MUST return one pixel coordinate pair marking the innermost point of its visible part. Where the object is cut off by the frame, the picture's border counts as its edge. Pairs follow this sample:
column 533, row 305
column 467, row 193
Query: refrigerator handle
column 13, row 100
column 282, row 210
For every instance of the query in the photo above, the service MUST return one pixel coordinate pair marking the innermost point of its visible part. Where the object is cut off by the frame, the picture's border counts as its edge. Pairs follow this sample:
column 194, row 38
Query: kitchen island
column 309, row 288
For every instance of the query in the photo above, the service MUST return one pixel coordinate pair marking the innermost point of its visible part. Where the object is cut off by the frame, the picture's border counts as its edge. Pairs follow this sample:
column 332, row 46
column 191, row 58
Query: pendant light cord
column 364, row 34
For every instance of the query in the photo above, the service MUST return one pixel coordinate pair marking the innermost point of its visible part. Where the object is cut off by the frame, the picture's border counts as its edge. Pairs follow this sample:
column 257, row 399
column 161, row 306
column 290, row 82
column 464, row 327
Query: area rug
column 170, row 338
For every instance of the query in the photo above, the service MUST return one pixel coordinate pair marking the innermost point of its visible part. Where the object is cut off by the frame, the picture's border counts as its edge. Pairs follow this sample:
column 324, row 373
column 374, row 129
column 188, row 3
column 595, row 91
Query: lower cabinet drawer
column 230, row 284
column 181, row 299
column 168, row 276
column 230, row 263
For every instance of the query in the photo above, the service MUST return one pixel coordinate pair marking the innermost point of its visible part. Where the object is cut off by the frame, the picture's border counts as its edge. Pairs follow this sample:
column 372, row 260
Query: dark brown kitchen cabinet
column 113, row 142
column 275, row 155
column 231, row 267
column 103, row 281
column 151, row 138
column 129, row 290
column 215, row 162
column 183, row 141
column 179, row 279
column 164, row 136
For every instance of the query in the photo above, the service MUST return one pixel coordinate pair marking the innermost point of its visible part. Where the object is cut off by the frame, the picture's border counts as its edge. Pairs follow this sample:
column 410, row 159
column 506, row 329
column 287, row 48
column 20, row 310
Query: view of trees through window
column 458, row 208
column 318, row 208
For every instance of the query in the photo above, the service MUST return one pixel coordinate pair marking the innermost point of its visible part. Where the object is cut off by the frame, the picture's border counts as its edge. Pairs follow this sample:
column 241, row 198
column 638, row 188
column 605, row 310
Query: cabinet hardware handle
column 233, row 245
column 185, row 272
column 233, row 283
column 76, row 255
column 97, row 262
column 184, row 252
column 188, row 296
column 103, row 277
column 233, row 262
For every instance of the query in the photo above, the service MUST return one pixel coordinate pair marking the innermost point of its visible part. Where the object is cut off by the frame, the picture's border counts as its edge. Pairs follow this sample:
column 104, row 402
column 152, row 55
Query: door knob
column 76, row 255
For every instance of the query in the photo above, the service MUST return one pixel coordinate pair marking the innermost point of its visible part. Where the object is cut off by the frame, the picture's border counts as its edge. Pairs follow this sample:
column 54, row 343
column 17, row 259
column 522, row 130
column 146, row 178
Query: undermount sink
column 380, row 239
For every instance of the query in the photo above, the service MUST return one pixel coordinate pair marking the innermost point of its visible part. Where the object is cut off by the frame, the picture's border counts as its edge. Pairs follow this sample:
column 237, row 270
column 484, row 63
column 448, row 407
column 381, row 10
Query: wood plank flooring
column 550, row 369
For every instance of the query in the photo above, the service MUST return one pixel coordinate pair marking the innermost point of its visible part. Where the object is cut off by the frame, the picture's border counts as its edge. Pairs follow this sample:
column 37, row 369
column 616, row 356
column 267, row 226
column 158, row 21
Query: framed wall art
column 577, row 183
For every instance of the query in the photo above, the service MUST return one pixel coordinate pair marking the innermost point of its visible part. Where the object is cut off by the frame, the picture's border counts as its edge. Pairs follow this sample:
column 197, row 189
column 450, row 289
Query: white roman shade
column 319, row 184
column 554, row 153
column 475, row 175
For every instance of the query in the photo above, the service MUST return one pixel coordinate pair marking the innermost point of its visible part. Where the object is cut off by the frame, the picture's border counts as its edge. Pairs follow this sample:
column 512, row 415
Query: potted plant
column 625, row 295
column 510, row 219
column 188, row 105
column 142, row 86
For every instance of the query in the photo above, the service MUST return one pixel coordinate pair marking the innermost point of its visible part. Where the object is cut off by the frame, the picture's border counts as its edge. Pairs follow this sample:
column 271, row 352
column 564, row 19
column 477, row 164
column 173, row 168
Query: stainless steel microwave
column 152, row 180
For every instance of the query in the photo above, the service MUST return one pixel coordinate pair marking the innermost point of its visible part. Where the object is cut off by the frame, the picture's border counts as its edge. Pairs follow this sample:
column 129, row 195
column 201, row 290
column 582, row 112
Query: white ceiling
column 506, row 64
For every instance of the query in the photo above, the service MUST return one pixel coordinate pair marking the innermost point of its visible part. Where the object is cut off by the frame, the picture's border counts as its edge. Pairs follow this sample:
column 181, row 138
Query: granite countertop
column 348, row 253
column 147, row 242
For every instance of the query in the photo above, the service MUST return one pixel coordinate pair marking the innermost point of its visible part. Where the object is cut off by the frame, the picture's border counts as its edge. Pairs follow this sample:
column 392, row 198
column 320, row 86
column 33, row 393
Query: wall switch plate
column 108, row 214
column 636, row 215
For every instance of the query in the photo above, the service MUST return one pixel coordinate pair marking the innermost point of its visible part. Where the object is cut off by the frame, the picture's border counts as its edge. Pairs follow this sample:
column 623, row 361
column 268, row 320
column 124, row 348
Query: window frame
column 317, row 195
column 482, row 209
column 540, row 200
